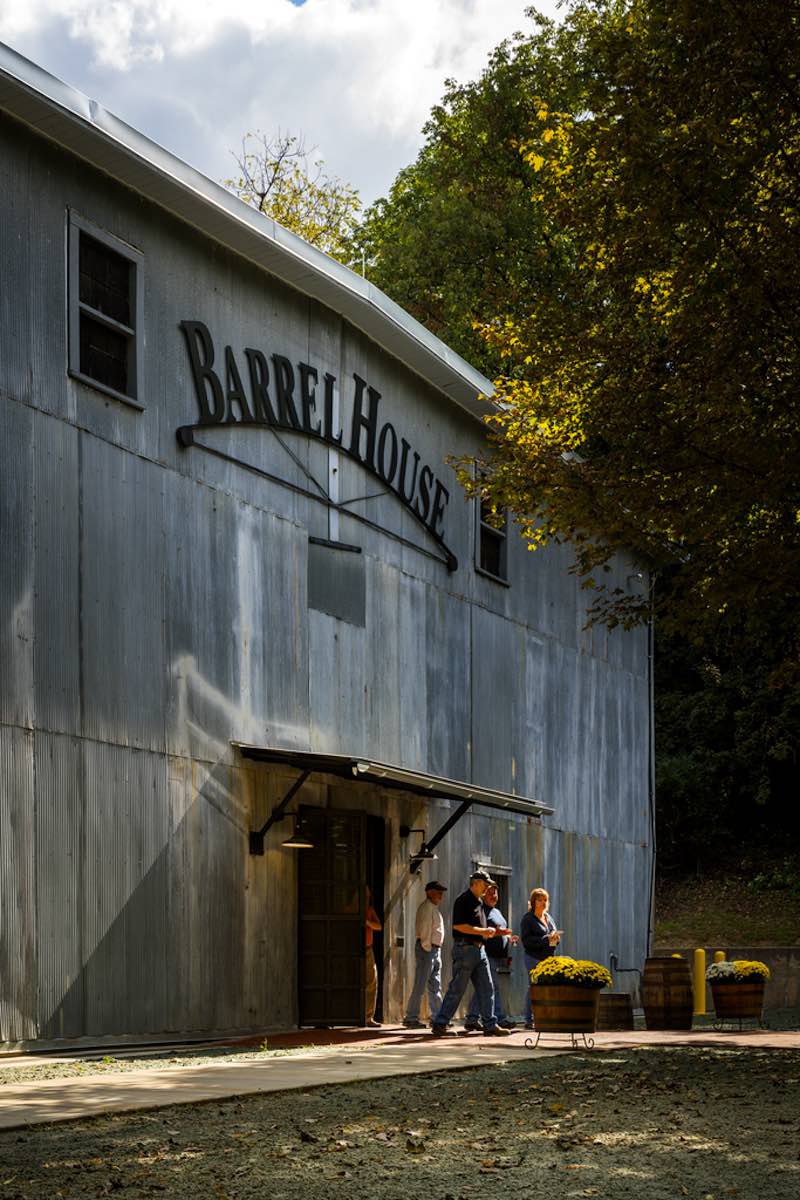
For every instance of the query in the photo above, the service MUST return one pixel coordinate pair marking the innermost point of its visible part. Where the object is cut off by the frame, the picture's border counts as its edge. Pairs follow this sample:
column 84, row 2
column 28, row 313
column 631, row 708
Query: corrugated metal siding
column 16, row 575
column 57, row 572
column 60, row 869
column 446, row 662
column 17, row 887
column 397, row 703
column 123, row 896
column 337, row 684
column 122, row 617
column 498, row 663
column 17, row 257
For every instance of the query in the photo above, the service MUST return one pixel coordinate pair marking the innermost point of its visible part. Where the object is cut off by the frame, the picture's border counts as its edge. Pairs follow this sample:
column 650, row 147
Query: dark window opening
column 105, row 280
column 492, row 542
column 105, row 317
column 104, row 354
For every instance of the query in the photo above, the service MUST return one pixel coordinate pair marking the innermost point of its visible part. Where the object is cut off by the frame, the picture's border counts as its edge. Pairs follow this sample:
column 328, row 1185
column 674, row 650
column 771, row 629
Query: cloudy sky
column 356, row 77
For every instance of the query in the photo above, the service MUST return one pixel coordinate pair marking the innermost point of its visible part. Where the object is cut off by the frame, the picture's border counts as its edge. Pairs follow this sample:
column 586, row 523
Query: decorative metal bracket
column 257, row 836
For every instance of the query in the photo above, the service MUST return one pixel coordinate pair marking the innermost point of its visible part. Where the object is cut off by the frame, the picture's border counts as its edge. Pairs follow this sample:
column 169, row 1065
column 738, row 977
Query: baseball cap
column 435, row 886
column 479, row 874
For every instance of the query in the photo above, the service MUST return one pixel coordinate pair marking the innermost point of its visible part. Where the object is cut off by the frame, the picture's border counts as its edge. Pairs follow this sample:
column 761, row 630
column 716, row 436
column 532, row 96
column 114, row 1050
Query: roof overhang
column 367, row 770
column 85, row 128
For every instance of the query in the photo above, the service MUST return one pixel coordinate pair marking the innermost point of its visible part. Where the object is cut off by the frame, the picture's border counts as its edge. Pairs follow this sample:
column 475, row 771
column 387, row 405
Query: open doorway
column 348, row 854
column 376, row 876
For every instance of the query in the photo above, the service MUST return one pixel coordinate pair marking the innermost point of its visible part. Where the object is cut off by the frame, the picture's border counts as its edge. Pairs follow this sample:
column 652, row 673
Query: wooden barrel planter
column 667, row 993
column 615, row 1011
column 564, row 1008
column 738, row 1001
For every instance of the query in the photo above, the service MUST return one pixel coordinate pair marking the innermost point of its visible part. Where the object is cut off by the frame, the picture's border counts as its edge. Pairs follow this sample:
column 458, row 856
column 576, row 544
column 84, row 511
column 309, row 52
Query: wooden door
column 331, row 912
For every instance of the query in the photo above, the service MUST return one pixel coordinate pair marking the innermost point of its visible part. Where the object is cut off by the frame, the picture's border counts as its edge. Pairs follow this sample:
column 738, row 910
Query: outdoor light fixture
column 278, row 813
column 423, row 854
column 297, row 841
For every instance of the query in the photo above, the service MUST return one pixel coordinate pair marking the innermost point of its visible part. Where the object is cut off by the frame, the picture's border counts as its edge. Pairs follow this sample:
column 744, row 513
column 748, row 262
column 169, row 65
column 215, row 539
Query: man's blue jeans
column 470, row 965
column 427, row 974
column 501, row 1016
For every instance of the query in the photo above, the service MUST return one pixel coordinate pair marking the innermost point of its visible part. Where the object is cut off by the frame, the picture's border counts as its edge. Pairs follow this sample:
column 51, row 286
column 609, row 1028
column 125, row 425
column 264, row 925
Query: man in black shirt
column 470, row 964
column 497, row 951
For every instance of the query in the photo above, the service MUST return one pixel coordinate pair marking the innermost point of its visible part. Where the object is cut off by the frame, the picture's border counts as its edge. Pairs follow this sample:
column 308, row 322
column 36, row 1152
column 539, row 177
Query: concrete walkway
column 391, row 1052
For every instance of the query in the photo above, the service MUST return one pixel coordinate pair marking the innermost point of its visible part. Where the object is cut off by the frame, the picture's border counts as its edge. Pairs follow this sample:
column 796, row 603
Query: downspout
column 651, row 781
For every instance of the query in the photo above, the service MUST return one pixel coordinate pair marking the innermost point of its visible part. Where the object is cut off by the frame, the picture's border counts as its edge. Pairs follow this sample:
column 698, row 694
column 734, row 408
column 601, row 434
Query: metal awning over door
column 366, row 770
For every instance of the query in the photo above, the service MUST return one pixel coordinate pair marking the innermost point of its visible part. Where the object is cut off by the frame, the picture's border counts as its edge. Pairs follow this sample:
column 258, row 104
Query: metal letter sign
column 281, row 397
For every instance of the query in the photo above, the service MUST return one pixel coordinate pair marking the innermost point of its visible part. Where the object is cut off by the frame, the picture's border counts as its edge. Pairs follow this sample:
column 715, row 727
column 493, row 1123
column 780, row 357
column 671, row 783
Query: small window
column 492, row 548
column 105, row 311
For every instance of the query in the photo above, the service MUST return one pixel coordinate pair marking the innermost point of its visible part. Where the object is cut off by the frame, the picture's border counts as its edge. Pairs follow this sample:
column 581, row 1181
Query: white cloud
column 357, row 77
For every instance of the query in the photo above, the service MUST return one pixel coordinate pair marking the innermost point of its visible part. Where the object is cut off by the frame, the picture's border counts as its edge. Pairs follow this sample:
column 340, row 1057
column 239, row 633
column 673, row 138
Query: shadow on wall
column 182, row 952
column 161, row 927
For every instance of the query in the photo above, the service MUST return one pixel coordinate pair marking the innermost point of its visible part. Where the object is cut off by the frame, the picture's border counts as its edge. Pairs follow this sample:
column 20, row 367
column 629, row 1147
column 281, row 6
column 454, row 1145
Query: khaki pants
column 370, row 986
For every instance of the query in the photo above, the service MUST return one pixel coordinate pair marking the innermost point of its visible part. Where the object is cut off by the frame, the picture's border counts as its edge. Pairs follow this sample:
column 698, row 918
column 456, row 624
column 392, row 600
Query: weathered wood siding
column 154, row 608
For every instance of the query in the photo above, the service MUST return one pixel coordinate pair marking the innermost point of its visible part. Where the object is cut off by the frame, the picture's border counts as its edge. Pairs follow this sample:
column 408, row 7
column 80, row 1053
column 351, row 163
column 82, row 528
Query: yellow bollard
column 719, row 956
column 699, row 983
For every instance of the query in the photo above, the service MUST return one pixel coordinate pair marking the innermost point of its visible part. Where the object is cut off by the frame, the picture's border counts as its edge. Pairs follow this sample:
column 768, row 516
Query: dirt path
column 644, row 1124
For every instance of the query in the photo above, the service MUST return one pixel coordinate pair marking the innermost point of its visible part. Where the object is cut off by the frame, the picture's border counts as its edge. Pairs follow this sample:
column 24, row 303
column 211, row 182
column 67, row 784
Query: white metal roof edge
column 81, row 125
column 372, row 771
column 436, row 784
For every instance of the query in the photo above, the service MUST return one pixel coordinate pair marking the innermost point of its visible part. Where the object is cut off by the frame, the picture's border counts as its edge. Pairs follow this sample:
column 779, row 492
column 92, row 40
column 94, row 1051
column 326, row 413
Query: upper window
column 492, row 543
column 105, row 311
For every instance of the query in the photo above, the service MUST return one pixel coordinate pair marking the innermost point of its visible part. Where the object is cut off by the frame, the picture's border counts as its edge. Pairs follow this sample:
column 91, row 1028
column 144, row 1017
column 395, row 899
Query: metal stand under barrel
column 575, row 1043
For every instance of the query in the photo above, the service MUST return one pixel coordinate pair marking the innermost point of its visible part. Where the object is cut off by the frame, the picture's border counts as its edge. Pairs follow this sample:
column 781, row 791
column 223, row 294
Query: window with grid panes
column 105, row 311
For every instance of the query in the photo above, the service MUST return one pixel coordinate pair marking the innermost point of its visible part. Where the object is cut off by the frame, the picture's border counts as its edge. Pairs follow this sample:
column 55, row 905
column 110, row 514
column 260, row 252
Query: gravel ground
column 644, row 1124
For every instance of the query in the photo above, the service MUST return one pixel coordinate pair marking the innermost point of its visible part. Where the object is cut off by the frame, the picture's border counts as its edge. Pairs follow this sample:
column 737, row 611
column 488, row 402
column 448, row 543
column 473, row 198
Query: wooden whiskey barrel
column 564, row 1008
column 667, row 993
column 615, row 1011
column 738, row 1001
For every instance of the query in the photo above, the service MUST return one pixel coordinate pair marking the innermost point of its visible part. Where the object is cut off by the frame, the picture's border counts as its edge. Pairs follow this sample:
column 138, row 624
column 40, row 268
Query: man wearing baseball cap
column 470, row 964
column 427, row 955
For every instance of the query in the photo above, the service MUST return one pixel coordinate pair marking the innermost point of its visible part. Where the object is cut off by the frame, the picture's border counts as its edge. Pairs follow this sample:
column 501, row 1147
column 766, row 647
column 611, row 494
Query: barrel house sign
column 284, row 396
column 253, row 669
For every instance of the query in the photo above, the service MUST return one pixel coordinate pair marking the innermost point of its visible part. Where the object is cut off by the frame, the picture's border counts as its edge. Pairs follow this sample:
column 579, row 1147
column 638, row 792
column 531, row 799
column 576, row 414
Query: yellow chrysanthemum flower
column 582, row 972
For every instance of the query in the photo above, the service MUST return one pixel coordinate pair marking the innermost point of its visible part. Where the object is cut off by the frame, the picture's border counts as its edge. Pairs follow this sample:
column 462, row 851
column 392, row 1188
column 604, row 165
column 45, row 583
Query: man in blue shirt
column 497, row 952
column 470, row 964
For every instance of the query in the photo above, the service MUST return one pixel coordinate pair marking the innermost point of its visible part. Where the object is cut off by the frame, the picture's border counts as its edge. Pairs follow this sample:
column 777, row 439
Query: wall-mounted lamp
column 423, row 854
column 257, row 836
column 298, row 840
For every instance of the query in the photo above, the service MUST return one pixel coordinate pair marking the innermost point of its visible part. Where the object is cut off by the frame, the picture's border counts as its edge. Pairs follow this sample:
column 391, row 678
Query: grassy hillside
column 726, row 911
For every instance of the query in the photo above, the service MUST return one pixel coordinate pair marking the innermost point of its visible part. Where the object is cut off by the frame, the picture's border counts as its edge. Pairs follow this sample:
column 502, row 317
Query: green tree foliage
column 607, row 223
column 458, row 237
column 615, row 202
column 652, row 401
column 282, row 179
column 726, row 754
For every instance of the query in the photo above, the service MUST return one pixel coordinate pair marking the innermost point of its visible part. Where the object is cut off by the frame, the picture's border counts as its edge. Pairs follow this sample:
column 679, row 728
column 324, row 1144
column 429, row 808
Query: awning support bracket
column 425, row 851
column 257, row 836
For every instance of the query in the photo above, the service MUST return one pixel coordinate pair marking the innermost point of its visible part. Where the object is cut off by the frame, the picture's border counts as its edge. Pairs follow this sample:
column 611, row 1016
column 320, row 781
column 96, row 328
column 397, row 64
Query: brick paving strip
column 391, row 1053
